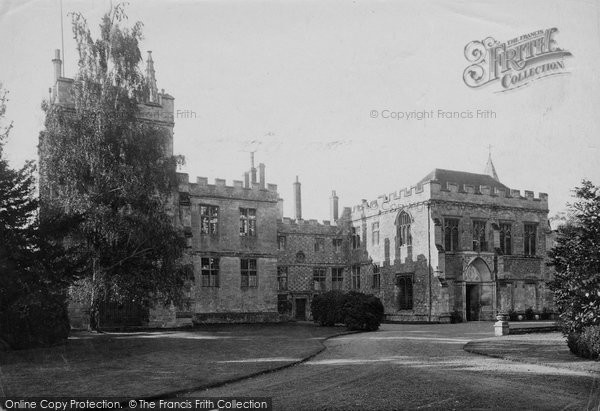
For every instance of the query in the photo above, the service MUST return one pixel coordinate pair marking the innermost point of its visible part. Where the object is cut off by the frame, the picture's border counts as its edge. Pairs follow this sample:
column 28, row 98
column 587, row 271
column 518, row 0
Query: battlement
column 453, row 191
column 311, row 222
column 201, row 188
column 160, row 112
column 159, row 108
column 312, row 227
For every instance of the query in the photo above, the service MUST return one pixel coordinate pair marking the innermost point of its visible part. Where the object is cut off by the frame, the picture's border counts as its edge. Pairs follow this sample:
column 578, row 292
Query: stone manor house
column 454, row 244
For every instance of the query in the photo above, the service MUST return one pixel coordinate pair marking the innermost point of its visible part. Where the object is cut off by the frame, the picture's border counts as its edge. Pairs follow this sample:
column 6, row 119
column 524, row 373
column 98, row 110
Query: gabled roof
column 461, row 177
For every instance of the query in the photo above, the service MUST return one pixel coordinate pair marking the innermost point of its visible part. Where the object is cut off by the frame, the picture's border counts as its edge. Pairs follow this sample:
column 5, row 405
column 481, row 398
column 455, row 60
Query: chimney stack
column 57, row 65
column 280, row 208
column 247, row 179
column 261, row 174
column 252, row 168
column 333, row 206
column 297, row 200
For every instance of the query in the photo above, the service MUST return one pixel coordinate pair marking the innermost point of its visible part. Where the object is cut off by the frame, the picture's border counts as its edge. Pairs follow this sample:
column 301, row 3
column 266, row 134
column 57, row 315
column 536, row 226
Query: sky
column 311, row 87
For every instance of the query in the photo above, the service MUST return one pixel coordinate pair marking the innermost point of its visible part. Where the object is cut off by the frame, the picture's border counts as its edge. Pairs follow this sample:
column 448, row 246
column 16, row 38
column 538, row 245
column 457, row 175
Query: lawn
column 141, row 364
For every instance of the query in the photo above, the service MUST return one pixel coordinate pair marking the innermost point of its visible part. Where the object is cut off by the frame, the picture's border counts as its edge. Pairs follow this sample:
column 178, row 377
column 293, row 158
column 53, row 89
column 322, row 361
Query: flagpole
column 62, row 38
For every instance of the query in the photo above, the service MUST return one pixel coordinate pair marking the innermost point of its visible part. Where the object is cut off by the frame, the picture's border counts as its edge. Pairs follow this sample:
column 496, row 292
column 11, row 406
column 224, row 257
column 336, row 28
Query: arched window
column 404, row 236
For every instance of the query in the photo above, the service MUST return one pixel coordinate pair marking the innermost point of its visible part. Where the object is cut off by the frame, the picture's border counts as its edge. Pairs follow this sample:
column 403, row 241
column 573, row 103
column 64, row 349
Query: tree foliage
column 326, row 308
column 362, row 311
column 576, row 258
column 32, row 274
column 109, row 171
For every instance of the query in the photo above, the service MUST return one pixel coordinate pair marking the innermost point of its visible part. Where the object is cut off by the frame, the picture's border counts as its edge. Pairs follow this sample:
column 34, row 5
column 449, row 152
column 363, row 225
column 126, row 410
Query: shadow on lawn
column 145, row 363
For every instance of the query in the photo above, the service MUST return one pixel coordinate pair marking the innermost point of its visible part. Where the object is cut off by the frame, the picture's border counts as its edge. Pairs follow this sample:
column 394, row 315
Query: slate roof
column 461, row 177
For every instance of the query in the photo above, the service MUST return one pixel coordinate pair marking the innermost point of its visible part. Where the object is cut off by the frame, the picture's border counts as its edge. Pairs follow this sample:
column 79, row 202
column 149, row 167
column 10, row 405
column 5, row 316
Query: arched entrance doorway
column 478, row 291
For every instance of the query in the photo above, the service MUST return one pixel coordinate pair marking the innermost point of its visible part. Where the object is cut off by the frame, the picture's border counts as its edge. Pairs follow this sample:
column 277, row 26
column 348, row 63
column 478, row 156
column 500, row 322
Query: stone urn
column 501, row 327
column 502, row 317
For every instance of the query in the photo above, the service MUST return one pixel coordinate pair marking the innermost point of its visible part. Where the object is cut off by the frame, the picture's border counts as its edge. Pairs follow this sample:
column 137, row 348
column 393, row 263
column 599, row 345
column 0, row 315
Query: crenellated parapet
column 161, row 111
column 314, row 227
column 220, row 189
column 484, row 194
column 434, row 190
column 392, row 201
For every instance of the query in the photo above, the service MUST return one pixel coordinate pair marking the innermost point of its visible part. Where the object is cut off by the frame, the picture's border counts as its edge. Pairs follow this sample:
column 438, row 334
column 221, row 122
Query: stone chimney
column 297, row 200
column 261, row 175
column 57, row 65
column 252, row 168
column 333, row 206
column 247, row 179
column 280, row 208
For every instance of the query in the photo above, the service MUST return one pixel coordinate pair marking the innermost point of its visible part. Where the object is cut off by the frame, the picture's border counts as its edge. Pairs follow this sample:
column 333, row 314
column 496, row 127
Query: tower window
column 529, row 238
column 375, row 233
column 209, row 219
column 404, row 235
column 248, row 222
column 479, row 236
column 451, row 234
column 506, row 238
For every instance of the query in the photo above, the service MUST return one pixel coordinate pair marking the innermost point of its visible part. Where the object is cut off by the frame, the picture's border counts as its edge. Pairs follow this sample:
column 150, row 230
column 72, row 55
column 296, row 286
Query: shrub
column 326, row 308
column 529, row 314
column 35, row 320
column 456, row 317
column 587, row 343
column 546, row 314
column 362, row 312
column 284, row 306
column 512, row 315
column 576, row 259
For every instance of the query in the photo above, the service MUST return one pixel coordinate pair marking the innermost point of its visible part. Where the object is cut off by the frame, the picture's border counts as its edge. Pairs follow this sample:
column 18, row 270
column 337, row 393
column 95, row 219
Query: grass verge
column 144, row 364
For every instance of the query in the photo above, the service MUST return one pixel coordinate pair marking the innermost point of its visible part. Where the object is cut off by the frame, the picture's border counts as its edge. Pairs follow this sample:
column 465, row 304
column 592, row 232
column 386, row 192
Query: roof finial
column 151, row 78
column 490, row 170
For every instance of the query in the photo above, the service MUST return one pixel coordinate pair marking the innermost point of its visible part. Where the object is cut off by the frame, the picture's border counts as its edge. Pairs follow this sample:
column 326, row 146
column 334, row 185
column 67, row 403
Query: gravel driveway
column 417, row 366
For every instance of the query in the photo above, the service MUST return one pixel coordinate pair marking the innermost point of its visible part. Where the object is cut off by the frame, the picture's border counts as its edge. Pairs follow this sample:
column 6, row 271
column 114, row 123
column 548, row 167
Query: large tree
column 109, row 171
column 576, row 258
column 33, row 269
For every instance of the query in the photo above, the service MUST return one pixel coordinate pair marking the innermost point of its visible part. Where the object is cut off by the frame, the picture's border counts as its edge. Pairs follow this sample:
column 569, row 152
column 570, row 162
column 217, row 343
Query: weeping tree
column 109, row 172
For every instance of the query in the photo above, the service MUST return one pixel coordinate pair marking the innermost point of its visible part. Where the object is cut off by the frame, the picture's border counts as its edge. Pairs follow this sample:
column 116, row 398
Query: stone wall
column 230, row 301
